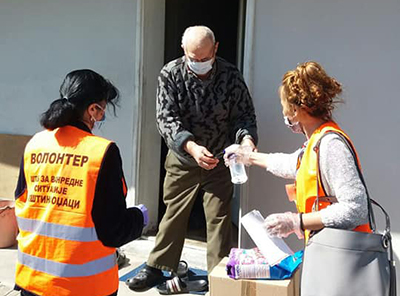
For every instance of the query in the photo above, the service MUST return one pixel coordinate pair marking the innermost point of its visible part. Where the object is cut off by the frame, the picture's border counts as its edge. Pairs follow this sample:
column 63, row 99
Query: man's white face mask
column 201, row 68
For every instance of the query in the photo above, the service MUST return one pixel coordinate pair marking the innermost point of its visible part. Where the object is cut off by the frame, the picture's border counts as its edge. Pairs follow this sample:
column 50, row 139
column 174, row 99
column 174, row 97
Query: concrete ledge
column 7, row 291
column 12, row 149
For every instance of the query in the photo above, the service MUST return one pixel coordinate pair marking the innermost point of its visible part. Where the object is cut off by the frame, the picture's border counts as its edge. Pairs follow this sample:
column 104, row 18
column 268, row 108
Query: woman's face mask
column 295, row 127
column 99, row 123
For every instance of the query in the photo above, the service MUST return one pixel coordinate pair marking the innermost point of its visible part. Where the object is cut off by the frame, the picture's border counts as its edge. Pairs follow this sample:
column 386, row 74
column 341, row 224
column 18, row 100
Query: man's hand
column 203, row 157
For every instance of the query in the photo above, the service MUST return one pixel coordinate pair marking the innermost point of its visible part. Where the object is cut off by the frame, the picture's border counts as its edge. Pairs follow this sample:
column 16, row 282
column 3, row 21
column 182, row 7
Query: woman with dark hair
column 80, row 90
column 308, row 96
column 70, row 197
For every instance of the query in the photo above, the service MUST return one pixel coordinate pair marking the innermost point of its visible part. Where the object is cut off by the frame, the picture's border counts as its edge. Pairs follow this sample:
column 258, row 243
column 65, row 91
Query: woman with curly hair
column 308, row 96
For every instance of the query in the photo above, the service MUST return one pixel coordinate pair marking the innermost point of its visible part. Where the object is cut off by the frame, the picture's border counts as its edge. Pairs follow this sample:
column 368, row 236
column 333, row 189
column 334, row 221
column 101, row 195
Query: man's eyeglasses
column 199, row 61
column 204, row 59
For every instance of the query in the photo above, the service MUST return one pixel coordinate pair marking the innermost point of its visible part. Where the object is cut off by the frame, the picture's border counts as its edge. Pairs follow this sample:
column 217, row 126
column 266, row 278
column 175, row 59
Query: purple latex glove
column 145, row 213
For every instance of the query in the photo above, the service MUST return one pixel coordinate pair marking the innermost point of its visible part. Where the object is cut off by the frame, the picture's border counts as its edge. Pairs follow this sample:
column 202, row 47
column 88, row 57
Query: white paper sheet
column 273, row 248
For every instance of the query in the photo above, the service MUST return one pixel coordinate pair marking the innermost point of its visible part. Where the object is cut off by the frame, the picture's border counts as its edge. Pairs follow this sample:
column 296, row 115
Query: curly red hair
column 308, row 86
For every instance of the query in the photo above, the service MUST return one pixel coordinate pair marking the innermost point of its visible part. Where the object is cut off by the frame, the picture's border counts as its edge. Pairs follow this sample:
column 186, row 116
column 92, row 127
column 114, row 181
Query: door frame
column 248, row 72
column 149, row 59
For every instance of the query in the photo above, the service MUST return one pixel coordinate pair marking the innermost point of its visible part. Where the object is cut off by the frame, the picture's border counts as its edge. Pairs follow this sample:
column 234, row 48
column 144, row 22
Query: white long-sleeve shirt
column 340, row 178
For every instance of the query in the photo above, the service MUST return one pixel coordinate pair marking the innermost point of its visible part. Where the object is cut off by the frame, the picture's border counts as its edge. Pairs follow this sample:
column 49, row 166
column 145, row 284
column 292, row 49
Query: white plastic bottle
column 237, row 169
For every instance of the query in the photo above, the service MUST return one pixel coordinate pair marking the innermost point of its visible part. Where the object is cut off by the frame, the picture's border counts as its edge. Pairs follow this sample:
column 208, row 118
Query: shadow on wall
column 396, row 259
column 396, row 254
column 12, row 149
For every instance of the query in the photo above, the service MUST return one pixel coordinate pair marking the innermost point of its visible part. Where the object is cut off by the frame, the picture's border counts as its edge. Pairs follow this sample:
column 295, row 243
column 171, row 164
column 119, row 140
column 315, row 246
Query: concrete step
column 7, row 291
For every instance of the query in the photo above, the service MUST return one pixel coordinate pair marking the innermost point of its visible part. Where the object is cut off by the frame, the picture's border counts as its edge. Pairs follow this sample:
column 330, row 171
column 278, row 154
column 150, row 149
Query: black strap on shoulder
column 371, row 215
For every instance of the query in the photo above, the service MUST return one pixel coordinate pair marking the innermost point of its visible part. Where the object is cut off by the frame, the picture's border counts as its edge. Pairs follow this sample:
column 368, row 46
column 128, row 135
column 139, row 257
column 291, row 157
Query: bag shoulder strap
column 371, row 216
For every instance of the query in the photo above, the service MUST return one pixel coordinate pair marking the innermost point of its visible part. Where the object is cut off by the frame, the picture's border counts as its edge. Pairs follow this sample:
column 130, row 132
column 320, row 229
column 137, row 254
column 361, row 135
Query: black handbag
column 341, row 262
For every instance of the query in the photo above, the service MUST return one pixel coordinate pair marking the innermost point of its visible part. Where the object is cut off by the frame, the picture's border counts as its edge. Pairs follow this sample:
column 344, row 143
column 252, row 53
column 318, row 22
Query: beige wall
column 12, row 148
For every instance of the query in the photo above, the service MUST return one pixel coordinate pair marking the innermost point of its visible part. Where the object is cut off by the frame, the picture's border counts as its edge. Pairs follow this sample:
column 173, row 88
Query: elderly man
column 203, row 106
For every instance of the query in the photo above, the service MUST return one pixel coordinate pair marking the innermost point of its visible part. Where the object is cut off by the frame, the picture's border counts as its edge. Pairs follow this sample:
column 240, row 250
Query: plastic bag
column 251, row 264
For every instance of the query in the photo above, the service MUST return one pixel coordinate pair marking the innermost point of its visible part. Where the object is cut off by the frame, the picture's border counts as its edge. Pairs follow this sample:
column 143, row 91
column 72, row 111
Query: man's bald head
column 200, row 49
column 198, row 36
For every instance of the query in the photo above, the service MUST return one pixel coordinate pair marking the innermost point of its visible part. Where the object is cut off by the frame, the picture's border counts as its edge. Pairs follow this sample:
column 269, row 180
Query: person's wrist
column 189, row 145
column 248, row 137
column 248, row 143
column 247, row 140
column 297, row 226
column 301, row 222
column 247, row 151
column 251, row 157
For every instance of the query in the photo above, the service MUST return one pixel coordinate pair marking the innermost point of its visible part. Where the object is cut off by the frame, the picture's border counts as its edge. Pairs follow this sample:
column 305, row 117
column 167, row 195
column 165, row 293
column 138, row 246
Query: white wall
column 358, row 42
column 42, row 40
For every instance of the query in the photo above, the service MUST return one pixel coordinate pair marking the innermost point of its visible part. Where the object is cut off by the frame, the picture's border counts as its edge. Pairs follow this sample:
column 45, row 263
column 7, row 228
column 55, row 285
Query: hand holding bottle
column 242, row 153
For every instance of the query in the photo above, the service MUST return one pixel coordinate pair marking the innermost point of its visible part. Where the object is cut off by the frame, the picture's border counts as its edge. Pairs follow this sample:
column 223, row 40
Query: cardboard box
column 221, row 284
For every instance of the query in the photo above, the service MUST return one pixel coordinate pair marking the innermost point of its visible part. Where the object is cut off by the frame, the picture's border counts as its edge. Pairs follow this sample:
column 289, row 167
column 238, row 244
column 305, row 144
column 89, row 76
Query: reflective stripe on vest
column 68, row 270
column 74, row 233
column 59, row 249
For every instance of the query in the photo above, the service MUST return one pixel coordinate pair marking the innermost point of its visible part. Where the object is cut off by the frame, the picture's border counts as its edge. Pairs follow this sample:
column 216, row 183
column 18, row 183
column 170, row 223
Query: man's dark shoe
column 147, row 278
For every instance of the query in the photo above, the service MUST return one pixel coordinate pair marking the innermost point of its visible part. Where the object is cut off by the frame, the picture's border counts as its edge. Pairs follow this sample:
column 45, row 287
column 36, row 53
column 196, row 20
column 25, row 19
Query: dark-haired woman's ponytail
column 60, row 113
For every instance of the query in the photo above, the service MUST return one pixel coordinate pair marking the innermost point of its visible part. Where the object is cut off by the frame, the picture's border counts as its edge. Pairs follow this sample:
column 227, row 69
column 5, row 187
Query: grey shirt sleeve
column 169, row 123
column 340, row 179
column 282, row 164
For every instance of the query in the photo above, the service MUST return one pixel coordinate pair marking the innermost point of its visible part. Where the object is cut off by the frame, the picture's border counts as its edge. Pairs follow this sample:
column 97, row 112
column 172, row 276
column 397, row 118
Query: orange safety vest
column 59, row 252
column 306, row 177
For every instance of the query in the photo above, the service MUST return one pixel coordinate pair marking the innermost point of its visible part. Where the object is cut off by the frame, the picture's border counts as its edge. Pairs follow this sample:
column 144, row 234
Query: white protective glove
column 283, row 224
column 242, row 153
